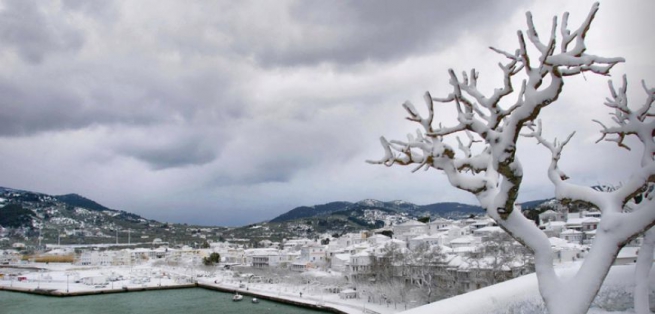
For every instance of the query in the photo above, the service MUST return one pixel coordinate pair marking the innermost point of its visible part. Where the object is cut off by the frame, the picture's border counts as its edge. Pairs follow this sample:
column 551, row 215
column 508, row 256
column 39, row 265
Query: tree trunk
column 575, row 295
column 642, row 270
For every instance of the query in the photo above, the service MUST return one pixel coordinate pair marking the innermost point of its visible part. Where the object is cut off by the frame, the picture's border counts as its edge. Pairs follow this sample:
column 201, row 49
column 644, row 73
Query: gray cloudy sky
column 228, row 113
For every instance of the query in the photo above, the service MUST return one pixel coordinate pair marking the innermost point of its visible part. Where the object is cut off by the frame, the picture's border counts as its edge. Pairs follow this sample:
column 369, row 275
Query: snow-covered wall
column 521, row 295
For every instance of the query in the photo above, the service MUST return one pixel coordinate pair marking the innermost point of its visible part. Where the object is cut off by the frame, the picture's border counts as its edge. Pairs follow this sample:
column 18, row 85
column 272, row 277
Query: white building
column 378, row 239
column 439, row 225
column 96, row 258
column 464, row 241
column 430, row 239
column 315, row 254
column 235, row 256
column 572, row 236
column 360, row 264
column 340, row 262
column 487, row 231
column 481, row 223
column 589, row 224
column 350, row 239
column 264, row 258
column 564, row 251
column 551, row 215
column 409, row 229
column 553, row 228
column 296, row 243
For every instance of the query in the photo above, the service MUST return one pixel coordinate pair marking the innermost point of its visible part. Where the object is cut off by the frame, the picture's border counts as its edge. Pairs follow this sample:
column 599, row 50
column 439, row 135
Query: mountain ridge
column 443, row 209
column 455, row 210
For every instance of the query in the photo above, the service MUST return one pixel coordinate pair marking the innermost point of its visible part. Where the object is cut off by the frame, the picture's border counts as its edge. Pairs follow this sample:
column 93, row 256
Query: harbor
column 188, row 301
column 66, row 281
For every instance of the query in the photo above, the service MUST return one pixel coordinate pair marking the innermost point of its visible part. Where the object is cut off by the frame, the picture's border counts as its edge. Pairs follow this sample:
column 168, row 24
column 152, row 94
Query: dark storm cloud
column 277, row 148
column 30, row 108
column 350, row 32
column 125, row 94
column 104, row 9
column 165, row 150
column 32, row 34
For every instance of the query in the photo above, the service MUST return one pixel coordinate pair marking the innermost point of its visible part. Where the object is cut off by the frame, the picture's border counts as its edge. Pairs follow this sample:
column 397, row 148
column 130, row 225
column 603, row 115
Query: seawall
column 272, row 298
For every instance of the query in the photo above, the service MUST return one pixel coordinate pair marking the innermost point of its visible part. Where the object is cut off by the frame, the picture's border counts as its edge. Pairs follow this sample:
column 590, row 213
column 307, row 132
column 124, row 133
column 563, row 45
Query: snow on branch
column 426, row 150
column 491, row 121
column 563, row 189
column 574, row 57
column 638, row 123
column 630, row 122
column 555, row 147
column 488, row 165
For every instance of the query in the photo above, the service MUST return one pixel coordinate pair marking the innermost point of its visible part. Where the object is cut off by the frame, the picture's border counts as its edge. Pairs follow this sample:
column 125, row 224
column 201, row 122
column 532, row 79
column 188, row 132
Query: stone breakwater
column 263, row 296
column 60, row 293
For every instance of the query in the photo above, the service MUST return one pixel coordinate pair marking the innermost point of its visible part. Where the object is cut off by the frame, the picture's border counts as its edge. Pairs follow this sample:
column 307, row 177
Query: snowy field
column 519, row 295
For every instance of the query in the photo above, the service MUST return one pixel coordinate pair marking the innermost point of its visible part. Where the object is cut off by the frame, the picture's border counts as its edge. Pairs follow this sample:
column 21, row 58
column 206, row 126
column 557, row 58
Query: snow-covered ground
column 62, row 278
column 519, row 295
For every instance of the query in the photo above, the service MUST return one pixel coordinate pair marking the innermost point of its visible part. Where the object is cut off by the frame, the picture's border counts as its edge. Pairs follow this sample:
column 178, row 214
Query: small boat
column 237, row 297
column 255, row 300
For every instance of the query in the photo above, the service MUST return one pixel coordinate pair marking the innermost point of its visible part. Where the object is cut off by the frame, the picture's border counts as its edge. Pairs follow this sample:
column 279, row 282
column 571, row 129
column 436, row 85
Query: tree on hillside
column 15, row 216
column 494, row 173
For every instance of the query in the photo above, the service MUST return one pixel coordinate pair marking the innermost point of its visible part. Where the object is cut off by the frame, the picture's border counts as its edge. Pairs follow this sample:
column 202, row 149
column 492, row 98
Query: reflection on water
column 184, row 301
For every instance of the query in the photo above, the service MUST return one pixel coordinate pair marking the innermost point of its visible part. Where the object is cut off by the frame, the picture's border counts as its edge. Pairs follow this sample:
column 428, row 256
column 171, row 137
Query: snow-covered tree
column 494, row 173
column 389, row 270
column 642, row 269
column 384, row 266
column 628, row 210
column 501, row 258
column 425, row 269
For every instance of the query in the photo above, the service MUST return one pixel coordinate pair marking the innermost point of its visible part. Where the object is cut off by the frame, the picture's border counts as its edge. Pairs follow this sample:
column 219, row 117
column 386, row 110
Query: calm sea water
column 185, row 301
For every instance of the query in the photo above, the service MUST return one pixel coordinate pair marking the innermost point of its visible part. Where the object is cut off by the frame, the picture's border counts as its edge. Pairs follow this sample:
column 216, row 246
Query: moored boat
column 237, row 297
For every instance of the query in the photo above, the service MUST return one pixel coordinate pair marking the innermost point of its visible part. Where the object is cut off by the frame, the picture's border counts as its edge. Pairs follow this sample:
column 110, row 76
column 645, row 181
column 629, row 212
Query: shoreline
column 62, row 294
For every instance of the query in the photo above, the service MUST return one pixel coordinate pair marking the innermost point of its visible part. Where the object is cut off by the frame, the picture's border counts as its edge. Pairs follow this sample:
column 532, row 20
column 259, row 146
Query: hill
column 74, row 219
column 444, row 210
column 312, row 211
column 80, row 201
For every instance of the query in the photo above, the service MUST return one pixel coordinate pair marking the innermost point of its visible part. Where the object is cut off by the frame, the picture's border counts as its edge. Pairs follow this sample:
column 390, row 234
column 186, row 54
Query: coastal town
column 350, row 272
